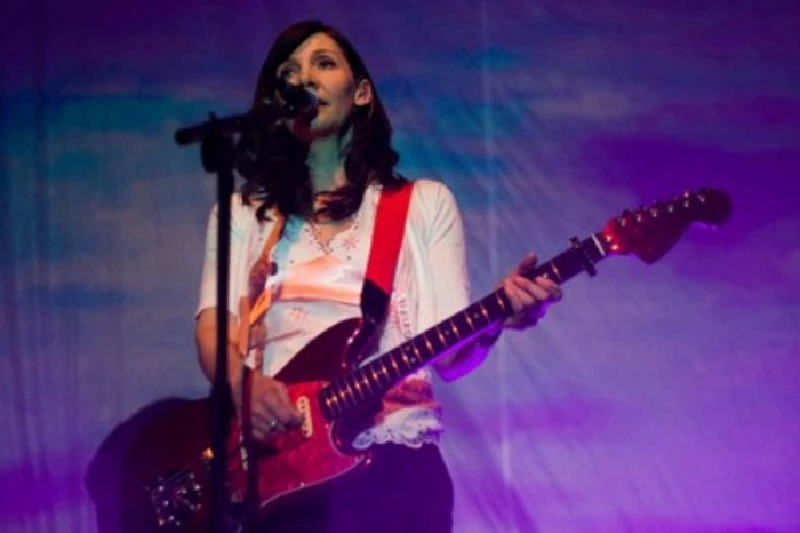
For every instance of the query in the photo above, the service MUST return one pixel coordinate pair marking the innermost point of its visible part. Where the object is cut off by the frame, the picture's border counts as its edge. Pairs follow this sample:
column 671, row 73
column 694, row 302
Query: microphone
column 296, row 98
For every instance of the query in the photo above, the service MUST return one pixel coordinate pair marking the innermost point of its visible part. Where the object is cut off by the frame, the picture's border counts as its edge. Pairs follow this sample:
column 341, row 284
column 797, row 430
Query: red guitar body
column 311, row 458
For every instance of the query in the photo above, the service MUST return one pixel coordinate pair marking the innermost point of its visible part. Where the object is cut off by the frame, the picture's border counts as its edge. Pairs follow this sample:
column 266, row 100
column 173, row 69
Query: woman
column 319, row 175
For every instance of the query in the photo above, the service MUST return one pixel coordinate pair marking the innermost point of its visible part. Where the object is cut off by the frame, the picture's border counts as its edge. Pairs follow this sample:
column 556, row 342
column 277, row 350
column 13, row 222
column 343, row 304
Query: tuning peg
column 655, row 209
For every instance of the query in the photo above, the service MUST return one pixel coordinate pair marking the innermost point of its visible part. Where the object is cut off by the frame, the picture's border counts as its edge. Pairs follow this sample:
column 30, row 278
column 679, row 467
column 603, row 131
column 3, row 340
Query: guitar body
column 307, row 460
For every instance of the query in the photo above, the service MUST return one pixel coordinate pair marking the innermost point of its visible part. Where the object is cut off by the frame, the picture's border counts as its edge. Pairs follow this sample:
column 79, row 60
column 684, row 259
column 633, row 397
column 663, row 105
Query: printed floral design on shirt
column 350, row 241
column 399, row 316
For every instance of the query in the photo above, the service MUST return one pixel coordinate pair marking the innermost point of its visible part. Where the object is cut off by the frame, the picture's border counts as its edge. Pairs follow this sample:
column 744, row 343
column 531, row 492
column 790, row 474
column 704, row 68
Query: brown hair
column 273, row 162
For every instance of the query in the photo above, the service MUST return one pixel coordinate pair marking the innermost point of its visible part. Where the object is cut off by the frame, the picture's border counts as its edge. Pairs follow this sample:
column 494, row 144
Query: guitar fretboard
column 350, row 392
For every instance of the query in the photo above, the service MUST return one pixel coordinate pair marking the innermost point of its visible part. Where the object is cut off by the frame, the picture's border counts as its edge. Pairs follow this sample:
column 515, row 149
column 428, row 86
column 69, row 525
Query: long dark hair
column 273, row 161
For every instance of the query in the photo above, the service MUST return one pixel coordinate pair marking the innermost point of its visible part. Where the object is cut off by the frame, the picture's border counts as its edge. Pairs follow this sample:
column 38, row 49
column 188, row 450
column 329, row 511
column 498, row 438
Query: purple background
column 654, row 399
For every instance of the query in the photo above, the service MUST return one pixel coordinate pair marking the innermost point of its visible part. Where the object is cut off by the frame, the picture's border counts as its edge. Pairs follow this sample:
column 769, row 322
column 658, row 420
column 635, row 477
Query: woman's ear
column 363, row 93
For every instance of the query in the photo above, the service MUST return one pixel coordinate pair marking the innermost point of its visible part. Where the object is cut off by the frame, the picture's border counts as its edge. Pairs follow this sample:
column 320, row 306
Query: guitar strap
column 387, row 239
column 251, row 342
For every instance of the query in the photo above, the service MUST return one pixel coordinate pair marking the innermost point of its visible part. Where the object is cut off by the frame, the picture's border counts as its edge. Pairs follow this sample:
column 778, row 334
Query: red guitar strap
column 387, row 238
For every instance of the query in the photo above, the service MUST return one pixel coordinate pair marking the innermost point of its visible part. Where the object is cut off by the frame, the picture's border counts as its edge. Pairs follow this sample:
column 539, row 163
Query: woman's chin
column 314, row 131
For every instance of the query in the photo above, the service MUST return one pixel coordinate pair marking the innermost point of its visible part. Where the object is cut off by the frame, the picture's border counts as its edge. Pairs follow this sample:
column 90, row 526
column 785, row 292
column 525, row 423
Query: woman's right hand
column 271, row 410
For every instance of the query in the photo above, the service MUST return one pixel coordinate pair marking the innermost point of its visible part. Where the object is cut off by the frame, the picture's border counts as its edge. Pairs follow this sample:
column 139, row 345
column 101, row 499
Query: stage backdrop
column 659, row 398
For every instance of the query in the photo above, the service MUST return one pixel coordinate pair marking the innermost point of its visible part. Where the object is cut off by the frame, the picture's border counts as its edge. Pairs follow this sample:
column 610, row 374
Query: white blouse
column 319, row 284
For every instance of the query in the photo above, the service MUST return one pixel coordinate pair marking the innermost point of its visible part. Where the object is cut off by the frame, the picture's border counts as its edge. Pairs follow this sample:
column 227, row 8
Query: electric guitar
column 336, row 395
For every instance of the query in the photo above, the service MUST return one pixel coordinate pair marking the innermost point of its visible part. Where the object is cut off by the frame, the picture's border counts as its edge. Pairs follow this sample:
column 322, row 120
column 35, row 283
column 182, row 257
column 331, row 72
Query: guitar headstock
column 650, row 232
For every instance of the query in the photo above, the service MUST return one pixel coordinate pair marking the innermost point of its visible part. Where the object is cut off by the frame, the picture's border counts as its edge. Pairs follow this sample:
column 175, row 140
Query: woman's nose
column 309, row 79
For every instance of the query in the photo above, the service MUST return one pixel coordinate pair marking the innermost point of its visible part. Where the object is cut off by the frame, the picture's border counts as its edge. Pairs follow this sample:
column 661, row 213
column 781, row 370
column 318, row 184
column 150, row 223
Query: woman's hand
column 529, row 299
column 271, row 410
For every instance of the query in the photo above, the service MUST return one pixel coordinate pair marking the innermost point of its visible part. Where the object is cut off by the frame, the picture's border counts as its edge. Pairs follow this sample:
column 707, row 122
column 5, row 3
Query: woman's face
column 320, row 65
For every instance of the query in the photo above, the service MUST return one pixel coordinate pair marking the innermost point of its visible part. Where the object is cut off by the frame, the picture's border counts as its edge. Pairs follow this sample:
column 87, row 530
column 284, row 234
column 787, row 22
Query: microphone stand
column 217, row 154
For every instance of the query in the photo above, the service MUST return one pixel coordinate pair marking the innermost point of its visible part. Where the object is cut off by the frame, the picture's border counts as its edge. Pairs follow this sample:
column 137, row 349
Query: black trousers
column 405, row 490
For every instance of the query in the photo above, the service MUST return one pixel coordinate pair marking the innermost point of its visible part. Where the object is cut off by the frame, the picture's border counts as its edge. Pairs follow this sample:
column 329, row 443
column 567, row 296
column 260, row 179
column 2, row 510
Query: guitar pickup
column 304, row 406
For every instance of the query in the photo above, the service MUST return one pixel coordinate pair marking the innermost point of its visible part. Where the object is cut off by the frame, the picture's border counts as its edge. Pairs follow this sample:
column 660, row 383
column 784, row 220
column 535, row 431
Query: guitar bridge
column 177, row 495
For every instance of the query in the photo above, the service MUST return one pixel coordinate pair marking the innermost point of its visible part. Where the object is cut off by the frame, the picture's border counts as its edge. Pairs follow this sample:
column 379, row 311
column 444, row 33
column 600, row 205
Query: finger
column 514, row 294
column 525, row 296
column 283, row 395
column 536, row 299
column 274, row 395
column 543, row 289
column 262, row 434
column 529, row 291
column 274, row 426
column 264, row 420
column 552, row 288
column 282, row 410
column 528, row 263
column 528, row 306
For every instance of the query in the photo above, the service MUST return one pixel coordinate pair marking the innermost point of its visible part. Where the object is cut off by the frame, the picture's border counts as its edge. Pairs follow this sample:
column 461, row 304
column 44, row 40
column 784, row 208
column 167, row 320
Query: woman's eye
column 286, row 73
column 327, row 63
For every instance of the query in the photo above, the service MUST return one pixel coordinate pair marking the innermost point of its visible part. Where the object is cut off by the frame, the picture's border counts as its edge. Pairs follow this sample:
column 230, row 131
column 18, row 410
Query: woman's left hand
column 529, row 299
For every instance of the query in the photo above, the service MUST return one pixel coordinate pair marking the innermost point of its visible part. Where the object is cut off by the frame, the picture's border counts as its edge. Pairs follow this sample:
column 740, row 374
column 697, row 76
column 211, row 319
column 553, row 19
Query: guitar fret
column 484, row 312
column 350, row 389
column 357, row 385
column 469, row 322
column 337, row 403
column 416, row 352
column 350, row 394
column 375, row 377
column 367, row 384
column 454, row 328
column 556, row 272
column 354, row 391
column 499, row 298
column 428, row 343
column 414, row 360
column 341, row 397
column 331, row 402
column 405, row 359
column 441, row 337
column 386, row 379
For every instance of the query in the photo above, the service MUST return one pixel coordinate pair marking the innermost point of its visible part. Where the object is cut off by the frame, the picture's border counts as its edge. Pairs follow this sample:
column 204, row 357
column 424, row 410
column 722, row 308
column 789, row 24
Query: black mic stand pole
column 217, row 153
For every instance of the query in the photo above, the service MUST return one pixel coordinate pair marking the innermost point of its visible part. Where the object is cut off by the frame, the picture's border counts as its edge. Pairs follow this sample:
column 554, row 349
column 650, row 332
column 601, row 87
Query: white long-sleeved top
column 318, row 284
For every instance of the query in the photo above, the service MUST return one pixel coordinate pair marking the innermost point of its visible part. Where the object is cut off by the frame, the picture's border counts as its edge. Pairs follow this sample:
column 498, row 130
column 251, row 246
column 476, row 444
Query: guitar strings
column 181, row 476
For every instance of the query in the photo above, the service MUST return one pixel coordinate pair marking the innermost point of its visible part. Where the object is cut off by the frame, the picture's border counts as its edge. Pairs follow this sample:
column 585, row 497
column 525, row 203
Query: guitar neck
column 351, row 391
